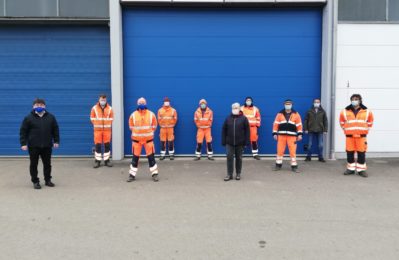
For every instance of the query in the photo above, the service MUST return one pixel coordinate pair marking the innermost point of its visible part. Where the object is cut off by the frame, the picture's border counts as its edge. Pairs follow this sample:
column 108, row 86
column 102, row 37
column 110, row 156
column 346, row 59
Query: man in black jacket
column 235, row 136
column 316, row 126
column 38, row 134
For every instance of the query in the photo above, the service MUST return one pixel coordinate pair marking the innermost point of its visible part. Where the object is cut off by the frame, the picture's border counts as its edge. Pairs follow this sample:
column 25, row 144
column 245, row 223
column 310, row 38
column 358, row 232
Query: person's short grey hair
column 236, row 105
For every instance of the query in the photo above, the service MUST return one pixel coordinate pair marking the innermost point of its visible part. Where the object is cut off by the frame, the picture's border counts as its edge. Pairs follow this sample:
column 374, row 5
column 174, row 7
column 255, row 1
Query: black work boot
column 155, row 177
column 294, row 169
column 37, row 186
column 228, row 177
column 131, row 178
column 96, row 164
column 210, row 158
column 108, row 163
column 197, row 158
column 308, row 159
column 349, row 172
column 49, row 184
column 238, row 176
column 171, row 157
column 162, row 158
column 277, row 167
column 322, row 160
column 363, row 174
column 256, row 157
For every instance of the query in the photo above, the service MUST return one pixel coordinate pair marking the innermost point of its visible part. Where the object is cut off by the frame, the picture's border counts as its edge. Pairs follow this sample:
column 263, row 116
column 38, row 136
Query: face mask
column 103, row 103
column 288, row 107
column 166, row 104
column 316, row 105
column 39, row 109
column 235, row 111
column 142, row 107
column 203, row 106
column 248, row 103
column 355, row 103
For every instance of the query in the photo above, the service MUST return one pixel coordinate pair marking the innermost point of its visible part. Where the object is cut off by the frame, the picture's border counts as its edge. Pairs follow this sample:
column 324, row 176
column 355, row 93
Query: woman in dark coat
column 235, row 136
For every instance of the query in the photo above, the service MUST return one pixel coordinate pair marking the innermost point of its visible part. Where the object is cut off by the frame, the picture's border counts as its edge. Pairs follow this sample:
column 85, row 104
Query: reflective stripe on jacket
column 203, row 121
column 143, row 125
column 356, row 125
column 291, row 127
column 167, row 117
column 102, row 118
column 253, row 115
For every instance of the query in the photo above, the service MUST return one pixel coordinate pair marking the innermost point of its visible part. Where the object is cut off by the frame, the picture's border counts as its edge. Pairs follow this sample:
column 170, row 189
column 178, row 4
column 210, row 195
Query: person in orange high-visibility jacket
column 253, row 115
column 287, row 130
column 167, row 118
column 356, row 121
column 101, row 117
column 143, row 124
column 203, row 118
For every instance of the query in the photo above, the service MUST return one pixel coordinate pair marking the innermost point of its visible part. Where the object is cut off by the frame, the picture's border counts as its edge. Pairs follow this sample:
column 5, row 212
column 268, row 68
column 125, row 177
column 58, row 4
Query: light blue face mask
column 288, row 107
column 203, row 106
column 39, row 109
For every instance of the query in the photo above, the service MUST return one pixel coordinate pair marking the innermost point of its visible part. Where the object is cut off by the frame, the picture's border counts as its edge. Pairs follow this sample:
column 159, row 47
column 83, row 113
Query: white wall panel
column 368, row 59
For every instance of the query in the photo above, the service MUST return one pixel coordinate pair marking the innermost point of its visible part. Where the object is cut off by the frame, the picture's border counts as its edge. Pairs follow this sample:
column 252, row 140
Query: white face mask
column 103, row 102
column 316, row 105
column 248, row 102
column 166, row 104
column 287, row 107
column 235, row 111
column 203, row 106
column 355, row 103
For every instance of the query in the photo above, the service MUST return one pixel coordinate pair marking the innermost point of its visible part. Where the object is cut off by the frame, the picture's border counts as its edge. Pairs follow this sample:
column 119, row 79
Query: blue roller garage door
column 68, row 66
column 222, row 55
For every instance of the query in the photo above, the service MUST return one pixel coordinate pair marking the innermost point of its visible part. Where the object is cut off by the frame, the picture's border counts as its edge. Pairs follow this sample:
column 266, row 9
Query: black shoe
column 171, row 157
column 294, row 169
column 108, row 163
column 363, row 174
column 322, row 160
column 37, row 186
column 162, row 158
column 238, row 176
column 155, row 177
column 349, row 172
column 96, row 164
column 197, row 158
column 256, row 157
column 49, row 184
column 308, row 159
column 131, row 178
column 228, row 177
column 211, row 158
column 277, row 167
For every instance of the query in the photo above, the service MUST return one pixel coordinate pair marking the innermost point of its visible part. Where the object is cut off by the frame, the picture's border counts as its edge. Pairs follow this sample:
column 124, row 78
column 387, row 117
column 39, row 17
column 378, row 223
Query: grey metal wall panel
column 2, row 9
column 84, row 8
column 362, row 10
column 393, row 8
column 31, row 8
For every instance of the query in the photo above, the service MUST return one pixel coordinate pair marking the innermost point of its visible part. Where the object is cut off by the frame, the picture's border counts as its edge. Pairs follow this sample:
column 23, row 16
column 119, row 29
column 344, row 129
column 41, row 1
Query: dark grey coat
column 316, row 122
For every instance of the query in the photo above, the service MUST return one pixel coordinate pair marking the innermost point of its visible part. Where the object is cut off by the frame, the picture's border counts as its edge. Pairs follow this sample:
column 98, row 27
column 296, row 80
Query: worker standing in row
column 203, row 118
column 167, row 118
column 143, row 124
column 356, row 121
column 287, row 131
column 253, row 115
column 101, row 117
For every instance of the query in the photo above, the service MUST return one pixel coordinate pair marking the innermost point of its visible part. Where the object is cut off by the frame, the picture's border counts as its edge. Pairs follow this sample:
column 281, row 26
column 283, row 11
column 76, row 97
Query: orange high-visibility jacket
column 203, row 121
column 358, row 125
column 102, row 118
column 167, row 117
column 143, row 125
column 253, row 115
column 291, row 127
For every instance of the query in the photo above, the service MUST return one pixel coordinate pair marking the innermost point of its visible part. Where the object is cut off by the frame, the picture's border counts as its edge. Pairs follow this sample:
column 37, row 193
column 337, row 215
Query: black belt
column 352, row 135
column 149, row 141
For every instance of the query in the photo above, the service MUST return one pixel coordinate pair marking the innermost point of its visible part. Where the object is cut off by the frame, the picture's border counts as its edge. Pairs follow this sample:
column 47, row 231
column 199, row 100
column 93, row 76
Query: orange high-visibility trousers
column 253, row 131
column 102, row 136
column 166, row 134
column 204, row 133
column 356, row 144
column 282, row 142
column 138, row 146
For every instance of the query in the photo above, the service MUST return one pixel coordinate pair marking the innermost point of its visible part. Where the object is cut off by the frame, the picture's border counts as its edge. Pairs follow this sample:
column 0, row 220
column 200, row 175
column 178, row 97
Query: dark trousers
column 320, row 138
column 234, row 151
column 45, row 154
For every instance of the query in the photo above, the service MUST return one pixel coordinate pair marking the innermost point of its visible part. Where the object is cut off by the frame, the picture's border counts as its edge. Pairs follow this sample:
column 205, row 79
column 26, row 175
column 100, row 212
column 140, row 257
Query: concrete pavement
column 191, row 213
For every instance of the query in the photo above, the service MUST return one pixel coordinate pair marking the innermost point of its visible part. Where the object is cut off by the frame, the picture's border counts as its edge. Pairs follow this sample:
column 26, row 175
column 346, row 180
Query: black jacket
column 316, row 122
column 39, row 131
column 235, row 130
